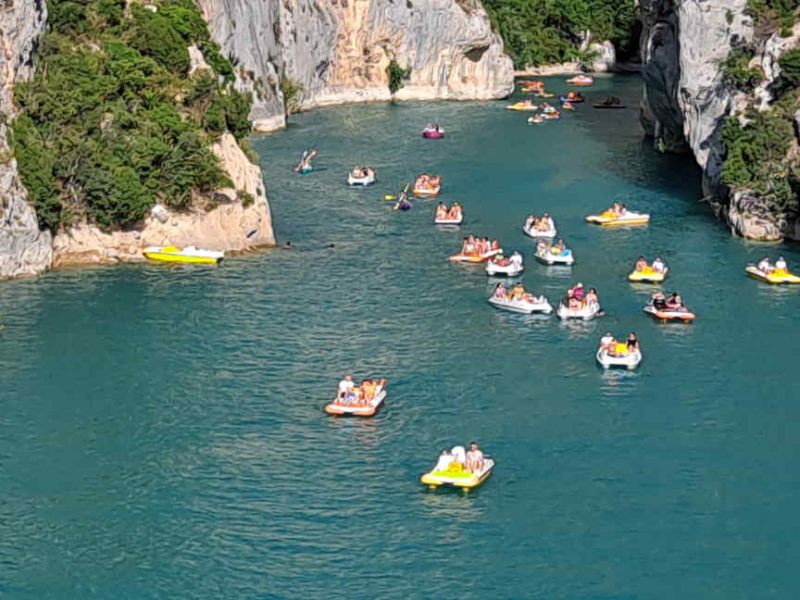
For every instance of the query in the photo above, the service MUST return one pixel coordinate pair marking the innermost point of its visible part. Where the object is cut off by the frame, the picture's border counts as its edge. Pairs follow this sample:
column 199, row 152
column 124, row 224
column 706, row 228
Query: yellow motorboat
column 455, row 475
column 627, row 219
column 188, row 255
column 776, row 276
column 648, row 275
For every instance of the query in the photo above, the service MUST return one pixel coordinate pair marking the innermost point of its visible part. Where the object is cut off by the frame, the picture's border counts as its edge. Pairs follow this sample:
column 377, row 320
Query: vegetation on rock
column 112, row 122
column 736, row 69
column 397, row 76
column 538, row 32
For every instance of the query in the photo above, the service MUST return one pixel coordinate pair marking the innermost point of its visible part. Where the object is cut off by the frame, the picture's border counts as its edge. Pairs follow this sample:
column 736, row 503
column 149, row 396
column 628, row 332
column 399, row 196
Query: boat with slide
column 776, row 276
column 188, row 255
column 450, row 471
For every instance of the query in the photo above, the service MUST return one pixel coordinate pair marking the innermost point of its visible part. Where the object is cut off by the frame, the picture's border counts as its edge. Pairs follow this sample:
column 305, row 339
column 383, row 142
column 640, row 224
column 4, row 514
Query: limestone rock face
column 339, row 50
column 24, row 250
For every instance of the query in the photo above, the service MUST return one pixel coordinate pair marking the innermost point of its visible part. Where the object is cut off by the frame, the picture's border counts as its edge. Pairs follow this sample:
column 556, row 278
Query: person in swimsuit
column 780, row 264
column 764, row 265
column 474, row 458
column 632, row 342
column 345, row 386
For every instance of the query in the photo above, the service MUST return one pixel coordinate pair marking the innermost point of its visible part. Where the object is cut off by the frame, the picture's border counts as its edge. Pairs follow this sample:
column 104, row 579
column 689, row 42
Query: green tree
column 397, row 76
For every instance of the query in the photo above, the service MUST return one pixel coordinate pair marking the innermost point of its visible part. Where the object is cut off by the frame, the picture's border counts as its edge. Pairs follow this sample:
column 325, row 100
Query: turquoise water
column 162, row 433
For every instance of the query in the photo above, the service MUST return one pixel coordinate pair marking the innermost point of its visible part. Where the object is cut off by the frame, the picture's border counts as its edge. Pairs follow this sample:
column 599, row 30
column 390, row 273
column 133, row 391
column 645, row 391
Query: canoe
column 188, row 255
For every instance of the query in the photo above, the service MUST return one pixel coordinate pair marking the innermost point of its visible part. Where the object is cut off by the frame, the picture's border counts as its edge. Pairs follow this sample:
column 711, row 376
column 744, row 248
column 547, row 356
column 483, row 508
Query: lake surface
column 162, row 433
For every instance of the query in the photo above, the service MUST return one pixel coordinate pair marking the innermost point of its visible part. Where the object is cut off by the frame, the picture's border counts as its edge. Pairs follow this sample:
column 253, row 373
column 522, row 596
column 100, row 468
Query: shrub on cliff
column 736, row 69
column 538, row 32
column 790, row 67
column 397, row 76
column 756, row 154
column 110, row 124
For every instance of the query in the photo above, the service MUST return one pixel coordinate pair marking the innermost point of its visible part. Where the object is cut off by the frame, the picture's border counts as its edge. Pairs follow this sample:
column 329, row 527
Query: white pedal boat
column 368, row 179
column 549, row 258
column 510, row 270
column 539, row 233
column 586, row 312
column 457, row 221
column 525, row 306
column 629, row 360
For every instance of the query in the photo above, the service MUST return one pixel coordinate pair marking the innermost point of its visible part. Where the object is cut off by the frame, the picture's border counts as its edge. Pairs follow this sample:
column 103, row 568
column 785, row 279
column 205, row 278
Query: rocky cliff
column 688, row 97
column 338, row 50
column 24, row 250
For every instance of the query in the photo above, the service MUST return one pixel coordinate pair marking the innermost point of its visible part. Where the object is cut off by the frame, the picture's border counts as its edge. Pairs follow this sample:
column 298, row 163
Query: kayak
column 306, row 170
column 524, row 306
column 539, row 233
column 775, row 277
column 456, row 476
column 628, row 360
column 648, row 275
column 510, row 270
column 474, row 258
column 585, row 312
column 629, row 219
column 548, row 257
column 670, row 314
column 369, row 179
column 523, row 106
column 190, row 254
column 353, row 410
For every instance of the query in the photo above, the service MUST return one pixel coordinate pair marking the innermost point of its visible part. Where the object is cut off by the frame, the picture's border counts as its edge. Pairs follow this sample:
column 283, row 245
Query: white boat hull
column 362, row 181
column 548, row 258
column 507, row 270
column 521, row 306
column 535, row 233
column 590, row 311
column 625, row 361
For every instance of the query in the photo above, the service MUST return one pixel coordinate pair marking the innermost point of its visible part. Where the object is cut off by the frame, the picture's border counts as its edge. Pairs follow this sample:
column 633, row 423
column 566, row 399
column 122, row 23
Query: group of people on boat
column 779, row 267
column 573, row 97
column 454, row 213
column 505, row 261
column 616, row 348
column 360, row 172
column 427, row 183
column 543, row 224
column 515, row 292
column 459, row 459
column 553, row 248
column 478, row 246
column 617, row 210
column 641, row 265
column 350, row 394
column 673, row 302
column 578, row 297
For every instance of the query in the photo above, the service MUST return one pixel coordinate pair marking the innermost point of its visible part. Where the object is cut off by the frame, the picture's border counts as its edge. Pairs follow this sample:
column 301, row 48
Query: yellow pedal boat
column 609, row 219
column 648, row 275
column 525, row 106
column 778, row 276
column 456, row 476
column 188, row 255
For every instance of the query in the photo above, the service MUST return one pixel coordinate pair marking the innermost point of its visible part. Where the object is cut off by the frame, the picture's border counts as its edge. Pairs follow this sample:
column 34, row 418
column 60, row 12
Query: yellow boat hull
column 775, row 278
column 179, row 258
column 647, row 276
column 460, row 479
